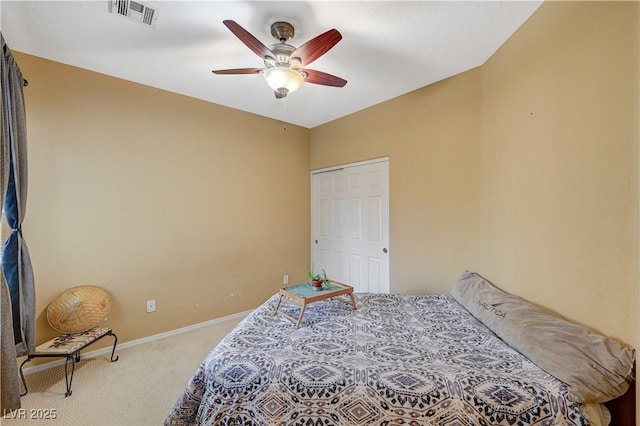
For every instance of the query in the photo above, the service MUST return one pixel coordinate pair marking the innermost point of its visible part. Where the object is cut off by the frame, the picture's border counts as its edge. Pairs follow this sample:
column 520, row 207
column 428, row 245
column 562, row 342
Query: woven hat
column 79, row 309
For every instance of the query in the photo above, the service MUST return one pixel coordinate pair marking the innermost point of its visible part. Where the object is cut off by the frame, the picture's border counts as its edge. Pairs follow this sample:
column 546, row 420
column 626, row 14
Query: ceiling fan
column 285, row 65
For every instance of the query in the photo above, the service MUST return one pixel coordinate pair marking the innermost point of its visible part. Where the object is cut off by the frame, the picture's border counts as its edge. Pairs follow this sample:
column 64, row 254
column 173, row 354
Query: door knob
column 384, row 250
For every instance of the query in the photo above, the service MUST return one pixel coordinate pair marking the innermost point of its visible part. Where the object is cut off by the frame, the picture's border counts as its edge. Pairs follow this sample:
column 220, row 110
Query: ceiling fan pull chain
column 284, row 113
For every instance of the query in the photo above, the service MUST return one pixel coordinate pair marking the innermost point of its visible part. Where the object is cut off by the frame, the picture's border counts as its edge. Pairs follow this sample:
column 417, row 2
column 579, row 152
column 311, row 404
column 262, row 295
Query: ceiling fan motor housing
column 283, row 52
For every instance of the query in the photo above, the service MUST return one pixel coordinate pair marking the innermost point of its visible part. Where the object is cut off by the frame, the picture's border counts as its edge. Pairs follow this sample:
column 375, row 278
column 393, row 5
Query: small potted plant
column 316, row 280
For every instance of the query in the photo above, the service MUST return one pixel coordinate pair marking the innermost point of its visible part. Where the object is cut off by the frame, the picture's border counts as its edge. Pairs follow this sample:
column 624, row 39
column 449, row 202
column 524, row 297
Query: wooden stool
column 69, row 346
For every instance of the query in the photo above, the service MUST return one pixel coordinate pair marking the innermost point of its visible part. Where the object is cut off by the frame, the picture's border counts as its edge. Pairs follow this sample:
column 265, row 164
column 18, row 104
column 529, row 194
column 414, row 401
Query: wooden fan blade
column 319, row 77
column 245, row 36
column 239, row 71
column 316, row 47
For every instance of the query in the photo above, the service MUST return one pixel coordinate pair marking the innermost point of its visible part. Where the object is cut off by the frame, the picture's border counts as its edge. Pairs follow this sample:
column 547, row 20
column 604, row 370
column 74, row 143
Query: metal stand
column 71, row 359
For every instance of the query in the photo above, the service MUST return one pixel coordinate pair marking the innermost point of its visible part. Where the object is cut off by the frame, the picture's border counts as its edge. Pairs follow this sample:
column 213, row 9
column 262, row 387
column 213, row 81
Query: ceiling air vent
column 135, row 11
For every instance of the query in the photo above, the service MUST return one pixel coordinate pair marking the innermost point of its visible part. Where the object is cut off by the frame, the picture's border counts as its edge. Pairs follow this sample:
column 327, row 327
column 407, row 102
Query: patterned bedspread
column 397, row 359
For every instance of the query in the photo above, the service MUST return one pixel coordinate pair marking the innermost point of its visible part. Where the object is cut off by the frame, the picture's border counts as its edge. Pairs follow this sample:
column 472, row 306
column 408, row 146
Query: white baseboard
column 102, row 351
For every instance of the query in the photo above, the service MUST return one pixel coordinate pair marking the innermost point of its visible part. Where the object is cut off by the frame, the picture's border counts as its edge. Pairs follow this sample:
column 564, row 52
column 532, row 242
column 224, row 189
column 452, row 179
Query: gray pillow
column 594, row 367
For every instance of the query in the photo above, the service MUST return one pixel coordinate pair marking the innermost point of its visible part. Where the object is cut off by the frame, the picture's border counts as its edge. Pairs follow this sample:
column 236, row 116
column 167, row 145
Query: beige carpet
column 138, row 389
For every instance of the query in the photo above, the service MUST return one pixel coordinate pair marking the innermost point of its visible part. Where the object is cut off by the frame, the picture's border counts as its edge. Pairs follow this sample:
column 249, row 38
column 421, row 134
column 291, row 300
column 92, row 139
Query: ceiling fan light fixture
column 283, row 62
column 279, row 78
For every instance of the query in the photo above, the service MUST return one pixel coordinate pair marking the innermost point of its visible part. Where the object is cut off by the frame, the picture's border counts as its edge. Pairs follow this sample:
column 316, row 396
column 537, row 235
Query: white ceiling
column 387, row 49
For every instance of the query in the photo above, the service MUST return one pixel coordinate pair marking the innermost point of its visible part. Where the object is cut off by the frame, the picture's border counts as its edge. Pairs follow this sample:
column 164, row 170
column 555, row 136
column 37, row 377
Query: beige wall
column 431, row 138
column 154, row 195
column 525, row 169
column 560, row 136
column 559, row 163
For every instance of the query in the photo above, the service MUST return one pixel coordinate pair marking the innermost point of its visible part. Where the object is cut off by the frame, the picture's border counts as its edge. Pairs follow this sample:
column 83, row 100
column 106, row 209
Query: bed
column 402, row 359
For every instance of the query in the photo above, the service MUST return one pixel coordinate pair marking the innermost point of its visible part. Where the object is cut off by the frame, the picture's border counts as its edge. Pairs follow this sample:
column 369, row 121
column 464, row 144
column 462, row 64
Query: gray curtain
column 17, row 289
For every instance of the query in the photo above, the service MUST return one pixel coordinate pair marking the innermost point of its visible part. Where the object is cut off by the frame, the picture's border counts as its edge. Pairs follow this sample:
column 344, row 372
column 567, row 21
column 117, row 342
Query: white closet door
column 350, row 225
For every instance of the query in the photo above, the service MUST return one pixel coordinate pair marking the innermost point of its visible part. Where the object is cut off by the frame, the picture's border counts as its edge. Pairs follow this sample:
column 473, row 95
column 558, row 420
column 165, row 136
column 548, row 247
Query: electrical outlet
column 151, row 305
column 285, row 279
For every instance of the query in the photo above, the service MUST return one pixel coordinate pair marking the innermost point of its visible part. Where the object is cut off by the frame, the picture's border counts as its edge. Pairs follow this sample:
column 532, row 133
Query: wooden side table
column 303, row 295
column 69, row 347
